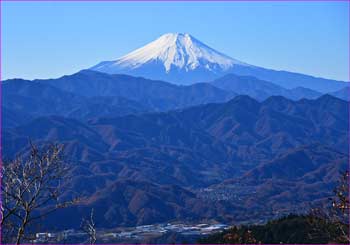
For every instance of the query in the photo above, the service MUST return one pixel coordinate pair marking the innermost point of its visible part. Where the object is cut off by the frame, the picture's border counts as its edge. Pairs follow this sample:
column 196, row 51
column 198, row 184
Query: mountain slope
column 182, row 59
column 241, row 130
column 291, row 80
column 343, row 93
column 179, row 50
column 283, row 150
column 259, row 89
column 88, row 94
column 292, row 182
column 157, row 95
column 31, row 99
column 177, row 56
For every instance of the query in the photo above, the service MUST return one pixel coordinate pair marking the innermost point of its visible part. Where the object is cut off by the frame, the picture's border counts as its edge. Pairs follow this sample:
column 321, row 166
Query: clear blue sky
column 50, row 39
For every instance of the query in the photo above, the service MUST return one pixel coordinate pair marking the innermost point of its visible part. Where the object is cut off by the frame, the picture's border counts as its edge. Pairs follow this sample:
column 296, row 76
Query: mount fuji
column 182, row 59
column 175, row 57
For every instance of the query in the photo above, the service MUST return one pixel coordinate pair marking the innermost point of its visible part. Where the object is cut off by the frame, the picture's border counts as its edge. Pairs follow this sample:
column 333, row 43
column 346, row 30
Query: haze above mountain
column 182, row 59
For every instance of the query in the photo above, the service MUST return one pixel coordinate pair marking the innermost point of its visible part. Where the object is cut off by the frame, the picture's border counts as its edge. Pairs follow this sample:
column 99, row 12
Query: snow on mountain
column 171, row 53
column 179, row 50
column 182, row 59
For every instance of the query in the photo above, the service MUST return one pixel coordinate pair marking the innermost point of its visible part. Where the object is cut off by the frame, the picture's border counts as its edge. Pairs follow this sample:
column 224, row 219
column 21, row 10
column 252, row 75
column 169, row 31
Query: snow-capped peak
column 179, row 50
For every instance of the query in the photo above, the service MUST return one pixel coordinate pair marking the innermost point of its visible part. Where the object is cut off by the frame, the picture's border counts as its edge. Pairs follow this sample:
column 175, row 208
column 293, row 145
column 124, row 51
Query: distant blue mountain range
column 182, row 59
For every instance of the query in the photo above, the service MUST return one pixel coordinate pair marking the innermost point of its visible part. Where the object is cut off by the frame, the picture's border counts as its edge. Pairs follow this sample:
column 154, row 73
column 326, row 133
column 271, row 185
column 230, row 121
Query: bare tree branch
column 88, row 226
column 31, row 189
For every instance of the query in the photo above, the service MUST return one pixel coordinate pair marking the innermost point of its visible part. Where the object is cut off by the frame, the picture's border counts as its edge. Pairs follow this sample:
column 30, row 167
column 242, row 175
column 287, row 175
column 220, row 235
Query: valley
column 167, row 232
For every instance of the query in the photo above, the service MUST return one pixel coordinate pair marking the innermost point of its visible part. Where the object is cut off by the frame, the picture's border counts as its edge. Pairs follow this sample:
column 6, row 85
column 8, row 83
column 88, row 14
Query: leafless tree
column 333, row 222
column 31, row 189
column 89, row 227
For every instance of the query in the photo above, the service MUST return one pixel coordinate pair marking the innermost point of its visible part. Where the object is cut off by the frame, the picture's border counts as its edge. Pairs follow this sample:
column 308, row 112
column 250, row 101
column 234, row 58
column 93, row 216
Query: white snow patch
column 176, row 50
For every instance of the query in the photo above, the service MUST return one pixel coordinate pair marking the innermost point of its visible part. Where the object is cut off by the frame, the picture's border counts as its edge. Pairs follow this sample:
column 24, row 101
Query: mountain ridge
column 197, row 148
column 174, row 51
column 182, row 59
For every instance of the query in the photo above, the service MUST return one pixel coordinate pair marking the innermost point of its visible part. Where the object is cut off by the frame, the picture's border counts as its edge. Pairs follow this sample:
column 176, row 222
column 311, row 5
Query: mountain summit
column 182, row 59
column 172, row 55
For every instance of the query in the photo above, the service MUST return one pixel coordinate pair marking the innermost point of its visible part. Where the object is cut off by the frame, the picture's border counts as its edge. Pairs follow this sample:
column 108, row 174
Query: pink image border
column 198, row 1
